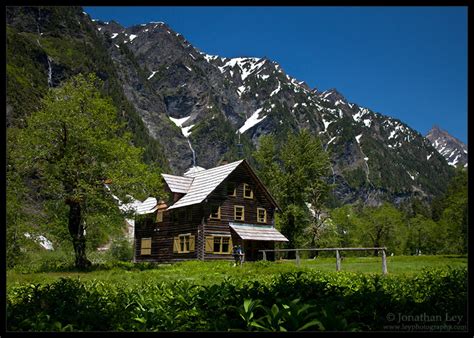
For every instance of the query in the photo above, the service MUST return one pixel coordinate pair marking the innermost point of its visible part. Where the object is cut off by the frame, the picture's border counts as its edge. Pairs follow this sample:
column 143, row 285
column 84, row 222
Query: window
column 239, row 213
column 218, row 244
column 215, row 212
column 145, row 246
column 261, row 215
column 183, row 243
column 231, row 189
column 159, row 216
column 248, row 192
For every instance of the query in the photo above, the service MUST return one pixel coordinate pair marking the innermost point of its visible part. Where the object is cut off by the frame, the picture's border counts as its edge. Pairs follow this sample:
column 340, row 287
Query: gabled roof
column 203, row 183
column 198, row 185
column 178, row 184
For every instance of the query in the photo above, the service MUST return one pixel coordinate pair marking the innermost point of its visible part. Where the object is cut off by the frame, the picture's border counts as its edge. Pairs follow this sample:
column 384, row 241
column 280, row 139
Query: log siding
column 195, row 220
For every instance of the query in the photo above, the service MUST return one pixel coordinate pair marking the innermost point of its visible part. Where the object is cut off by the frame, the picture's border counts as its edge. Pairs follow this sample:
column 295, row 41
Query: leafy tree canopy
column 80, row 154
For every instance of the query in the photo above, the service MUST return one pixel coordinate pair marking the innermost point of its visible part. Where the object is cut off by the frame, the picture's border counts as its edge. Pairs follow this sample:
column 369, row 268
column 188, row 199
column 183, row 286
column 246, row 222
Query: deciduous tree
column 78, row 153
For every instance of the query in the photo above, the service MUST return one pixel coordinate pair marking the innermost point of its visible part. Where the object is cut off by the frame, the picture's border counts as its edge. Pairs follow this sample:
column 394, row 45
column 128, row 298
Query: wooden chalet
column 209, row 211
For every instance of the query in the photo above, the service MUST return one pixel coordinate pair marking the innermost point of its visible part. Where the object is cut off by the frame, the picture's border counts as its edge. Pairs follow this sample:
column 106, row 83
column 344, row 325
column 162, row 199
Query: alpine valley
column 188, row 108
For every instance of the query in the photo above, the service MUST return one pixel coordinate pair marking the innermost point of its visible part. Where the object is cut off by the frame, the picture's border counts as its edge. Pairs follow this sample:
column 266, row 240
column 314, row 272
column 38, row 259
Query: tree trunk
column 76, row 230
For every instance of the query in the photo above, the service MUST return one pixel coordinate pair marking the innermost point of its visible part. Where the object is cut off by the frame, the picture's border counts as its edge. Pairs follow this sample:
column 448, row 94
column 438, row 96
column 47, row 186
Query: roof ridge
column 206, row 171
column 199, row 190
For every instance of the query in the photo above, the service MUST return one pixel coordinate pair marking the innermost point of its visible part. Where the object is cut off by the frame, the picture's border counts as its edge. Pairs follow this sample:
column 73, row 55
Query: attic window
column 248, row 192
column 231, row 189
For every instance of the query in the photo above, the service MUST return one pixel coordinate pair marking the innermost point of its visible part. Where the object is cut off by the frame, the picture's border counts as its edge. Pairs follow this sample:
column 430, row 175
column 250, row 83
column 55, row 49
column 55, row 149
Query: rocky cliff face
column 197, row 106
column 192, row 101
column 453, row 150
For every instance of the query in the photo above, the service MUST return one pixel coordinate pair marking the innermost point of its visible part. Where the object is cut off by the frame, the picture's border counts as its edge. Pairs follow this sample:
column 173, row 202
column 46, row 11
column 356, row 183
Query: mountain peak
column 332, row 95
column 452, row 149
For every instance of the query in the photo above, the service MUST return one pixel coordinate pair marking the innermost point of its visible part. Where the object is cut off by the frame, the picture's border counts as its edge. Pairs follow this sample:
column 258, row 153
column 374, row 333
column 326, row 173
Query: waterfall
column 194, row 153
column 50, row 73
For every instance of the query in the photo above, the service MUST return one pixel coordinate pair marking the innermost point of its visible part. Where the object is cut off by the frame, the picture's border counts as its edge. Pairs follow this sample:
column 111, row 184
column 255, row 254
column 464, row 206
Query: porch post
column 264, row 255
column 201, row 240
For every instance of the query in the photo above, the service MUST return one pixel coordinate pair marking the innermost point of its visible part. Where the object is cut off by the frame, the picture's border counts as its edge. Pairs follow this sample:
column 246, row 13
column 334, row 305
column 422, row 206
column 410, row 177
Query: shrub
column 288, row 302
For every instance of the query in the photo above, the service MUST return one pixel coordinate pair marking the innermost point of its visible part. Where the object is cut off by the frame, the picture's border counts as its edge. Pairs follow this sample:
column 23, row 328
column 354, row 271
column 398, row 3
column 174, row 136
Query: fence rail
column 338, row 256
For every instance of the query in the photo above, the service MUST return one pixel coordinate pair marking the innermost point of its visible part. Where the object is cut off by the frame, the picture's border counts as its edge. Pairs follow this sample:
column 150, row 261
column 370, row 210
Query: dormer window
column 248, row 192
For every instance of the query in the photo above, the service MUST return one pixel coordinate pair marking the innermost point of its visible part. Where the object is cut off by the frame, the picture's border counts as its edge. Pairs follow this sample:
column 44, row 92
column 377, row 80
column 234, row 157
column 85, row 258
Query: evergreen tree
column 78, row 153
column 295, row 176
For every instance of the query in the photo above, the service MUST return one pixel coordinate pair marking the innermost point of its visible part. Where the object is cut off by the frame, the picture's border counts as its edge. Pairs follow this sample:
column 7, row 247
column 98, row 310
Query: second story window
column 261, row 215
column 239, row 213
column 248, row 192
column 215, row 212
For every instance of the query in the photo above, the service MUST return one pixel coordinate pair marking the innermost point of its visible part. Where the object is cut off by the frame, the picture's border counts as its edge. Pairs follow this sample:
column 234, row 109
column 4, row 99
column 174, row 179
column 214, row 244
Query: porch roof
column 257, row 232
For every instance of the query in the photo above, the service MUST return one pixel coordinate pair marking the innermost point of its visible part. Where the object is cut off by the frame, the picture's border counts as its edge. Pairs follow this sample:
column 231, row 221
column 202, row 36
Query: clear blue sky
column 406, row 62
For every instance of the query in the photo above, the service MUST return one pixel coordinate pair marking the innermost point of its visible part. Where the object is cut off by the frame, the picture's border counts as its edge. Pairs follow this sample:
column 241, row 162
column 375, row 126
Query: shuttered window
column 184, row 243
column 145, row 246
column 261, row 215
column 218, row 244
column 209, row 243
column 239, row 213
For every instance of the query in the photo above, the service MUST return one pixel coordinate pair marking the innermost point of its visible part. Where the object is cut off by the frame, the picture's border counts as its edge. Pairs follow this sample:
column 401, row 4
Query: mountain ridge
column 452, row 149
column 194, row 104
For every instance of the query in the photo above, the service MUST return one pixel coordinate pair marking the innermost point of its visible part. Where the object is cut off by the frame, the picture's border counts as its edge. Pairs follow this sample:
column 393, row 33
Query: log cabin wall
column 220, row 197
column 176, row 222
column 195, row 220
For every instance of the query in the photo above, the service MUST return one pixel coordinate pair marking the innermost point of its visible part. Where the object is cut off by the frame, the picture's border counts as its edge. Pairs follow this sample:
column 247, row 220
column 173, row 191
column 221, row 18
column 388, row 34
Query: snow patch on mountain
column 252, row 121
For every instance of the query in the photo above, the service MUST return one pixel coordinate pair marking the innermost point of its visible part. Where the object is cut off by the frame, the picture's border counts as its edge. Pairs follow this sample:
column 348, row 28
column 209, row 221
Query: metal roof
column 178, row 184
column 257, row 232
column 146, row 207
column 203, row 183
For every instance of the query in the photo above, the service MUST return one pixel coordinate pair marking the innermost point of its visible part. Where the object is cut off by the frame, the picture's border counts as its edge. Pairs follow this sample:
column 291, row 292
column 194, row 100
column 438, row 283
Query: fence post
column 264, row 255
column 338, row 261
column 384, row 263
column 297, row 258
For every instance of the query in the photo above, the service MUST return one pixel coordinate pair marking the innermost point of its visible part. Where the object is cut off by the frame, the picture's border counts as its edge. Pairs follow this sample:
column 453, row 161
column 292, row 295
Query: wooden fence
column 338, row 256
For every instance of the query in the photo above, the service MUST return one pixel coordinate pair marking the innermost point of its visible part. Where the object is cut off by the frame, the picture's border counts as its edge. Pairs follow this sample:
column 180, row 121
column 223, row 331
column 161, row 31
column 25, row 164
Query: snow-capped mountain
column 453, row 150
column 197, row 107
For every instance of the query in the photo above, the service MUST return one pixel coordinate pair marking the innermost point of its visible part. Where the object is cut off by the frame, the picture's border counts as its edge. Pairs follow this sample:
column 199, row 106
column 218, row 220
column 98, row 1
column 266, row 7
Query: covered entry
column 256, row 237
